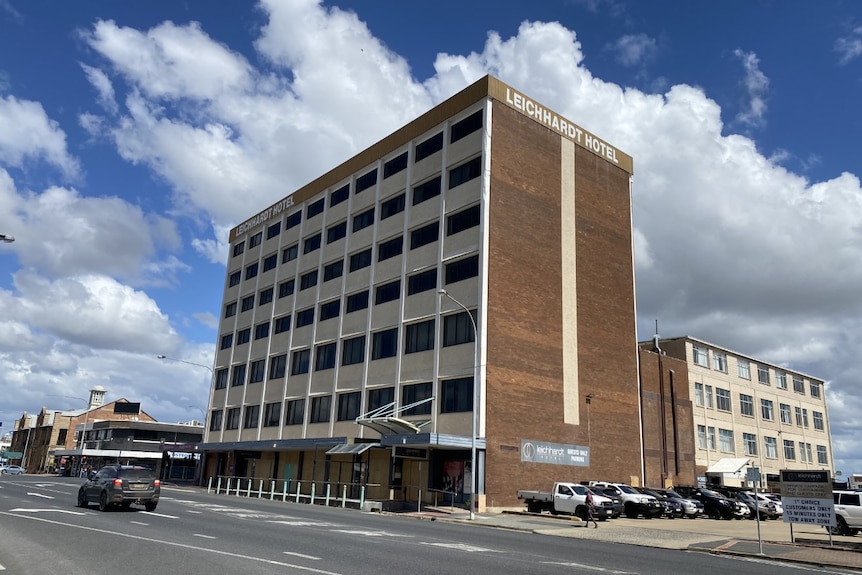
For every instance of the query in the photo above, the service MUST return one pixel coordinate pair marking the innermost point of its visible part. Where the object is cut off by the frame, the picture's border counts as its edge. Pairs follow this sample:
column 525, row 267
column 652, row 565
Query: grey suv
column 121, row 485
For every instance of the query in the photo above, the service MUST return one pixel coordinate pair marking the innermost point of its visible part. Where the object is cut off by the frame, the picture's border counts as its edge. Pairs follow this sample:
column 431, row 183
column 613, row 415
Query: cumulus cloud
column 756, row 86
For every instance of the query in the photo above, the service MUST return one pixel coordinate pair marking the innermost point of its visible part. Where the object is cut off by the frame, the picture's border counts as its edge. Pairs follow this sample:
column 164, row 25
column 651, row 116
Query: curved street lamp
column 6, row 239
column 160, row 356
column 474, row 470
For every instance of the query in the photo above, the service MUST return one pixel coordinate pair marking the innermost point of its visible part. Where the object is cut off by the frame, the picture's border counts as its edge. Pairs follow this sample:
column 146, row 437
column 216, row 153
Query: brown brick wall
column 524, row 331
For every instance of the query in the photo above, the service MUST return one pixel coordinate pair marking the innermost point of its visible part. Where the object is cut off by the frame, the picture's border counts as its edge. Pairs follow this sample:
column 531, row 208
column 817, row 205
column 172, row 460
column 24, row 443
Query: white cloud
column 756, row 85
column 634, row 49
column 849, row 47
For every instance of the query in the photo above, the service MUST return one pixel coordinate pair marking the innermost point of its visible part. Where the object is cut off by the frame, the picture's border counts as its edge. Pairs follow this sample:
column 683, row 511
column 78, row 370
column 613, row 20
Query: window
column 458, row 329
column 357, row 301
column 698, row 394
column 708, row 395
column 348, row 406
column 465, row 127
column 456, row 395
column 252, row 414
column 238, row 376
column 798, row 412
column 295, row 412
column 746, row 404
column 710, row 437
column 251, row 271
column 701, row 356
column 255, row 240
column 270, row 262
column 336, row 232
column 391, row 207
column 419, row 337
column 784, row 411
column 424, row 235
column 272, row 414
column 293, row 220
column 289, row 253
column 385, row 344
column 378, row 398
column 273, row 230
column 366, row 181
column 725, row 439
column 265, row 297
column 360, row 260
column 215, row 419
column 230, row 309
column 226, row 341
column 427, row 190
column 387, row 292
column 423, row 281
column 818, row 420
column 238, row 249
column 305, row 317
column 749, row 442
column 766, row 409
column 247, row 303
column 805, row 418
column 257, row 371
column 261, row 330
column 314, row 209
column 277, row 365
column 805, row 452
column 390, row 249
column 232, row 418
column 814, row 389
column 763, row 374
column 353, row 350
column 722, row 399
column 282, row 324
column 465, row 172
column 743, row 367
column 822, row 458
column 701, row 437
column 299, row 362
column 770, row 446
column 221, row 378
column 781, row 380
column 234, row 278
column 363, row 220
column 463, row 220
column 339, row 195
column 320, row 408
column 798, row 384
column 429, row 146
column 308, row 280
column 311, row 244
column 462, row 270
column 415, row 393
column 330, row 309
column 243, row 336
column 324, row 356
column 719, row 361
column 333, row 270
column 395, row 165
column 286, row 288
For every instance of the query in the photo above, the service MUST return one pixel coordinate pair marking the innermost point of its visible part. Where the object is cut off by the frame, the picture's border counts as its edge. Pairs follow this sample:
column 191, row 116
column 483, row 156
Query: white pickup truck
column 570, row 498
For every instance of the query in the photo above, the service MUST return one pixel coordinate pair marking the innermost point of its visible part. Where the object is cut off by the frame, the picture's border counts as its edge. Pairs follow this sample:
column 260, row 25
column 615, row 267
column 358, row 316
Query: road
column 195, row 533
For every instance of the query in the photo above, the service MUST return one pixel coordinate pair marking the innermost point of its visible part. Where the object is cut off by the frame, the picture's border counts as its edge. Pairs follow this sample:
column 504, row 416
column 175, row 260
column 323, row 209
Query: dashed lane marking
column 463, row 547
column 312, row 557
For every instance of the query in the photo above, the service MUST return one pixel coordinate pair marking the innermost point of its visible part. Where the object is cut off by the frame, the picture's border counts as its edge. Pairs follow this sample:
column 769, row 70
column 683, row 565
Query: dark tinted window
column 282, row 324
column 273, row 230
column 353, row 350
column 324, row 357
column 390, row 249
column 410, row 394
column 311, row 244
column 360, row 260
column 348, row 406
column 293, row 220
column 419, row 337
column 363, row 220
column 424, row 235
column 305, row 317
column 299, row 362
column 314, row 208
column 429, row 146
column 462, row 269
column 269, row 262
column 330, row 309
column 357, row 301
column 426, row 191
column 463, row 220
column 336, row 232
column 391, row 207
column 387, row 292
column 308, row 280
column 289, row 253
column 456, row 395
column 395, row 165
column 339, row 195
column 423, row 281
column 385, row 344
column 366, row 181
column 465, row 172
column 333, row 270
column 466, row 126
column 286, row 288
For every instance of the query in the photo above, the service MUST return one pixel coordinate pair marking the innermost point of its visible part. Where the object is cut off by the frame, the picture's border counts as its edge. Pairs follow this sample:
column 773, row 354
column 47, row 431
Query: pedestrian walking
column 591, row 510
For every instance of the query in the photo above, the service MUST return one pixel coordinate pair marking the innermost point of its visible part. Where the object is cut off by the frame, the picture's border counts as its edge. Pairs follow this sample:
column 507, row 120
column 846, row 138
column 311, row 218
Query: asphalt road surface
column 195, row 533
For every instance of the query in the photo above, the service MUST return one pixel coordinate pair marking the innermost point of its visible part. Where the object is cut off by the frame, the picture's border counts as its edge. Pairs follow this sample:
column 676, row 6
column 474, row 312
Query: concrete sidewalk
column 809, row 545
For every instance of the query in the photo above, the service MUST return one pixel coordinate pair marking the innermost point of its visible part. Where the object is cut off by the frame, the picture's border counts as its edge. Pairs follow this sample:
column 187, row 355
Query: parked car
column 12, row 470
column 121, row 485
column 635, row 503
column 757, row 505
column 672, row 508
column 848, row 512
column 775, row 498
column 614, row 496
column 691, row 507
column 715, row 505
column 568, row 498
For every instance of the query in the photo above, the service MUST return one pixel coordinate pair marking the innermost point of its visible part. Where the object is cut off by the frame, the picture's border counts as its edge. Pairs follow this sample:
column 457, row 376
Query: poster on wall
column 453, row 479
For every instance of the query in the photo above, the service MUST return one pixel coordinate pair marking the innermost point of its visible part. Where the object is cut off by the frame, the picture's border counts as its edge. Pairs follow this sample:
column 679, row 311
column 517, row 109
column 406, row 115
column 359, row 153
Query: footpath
column 807, row 545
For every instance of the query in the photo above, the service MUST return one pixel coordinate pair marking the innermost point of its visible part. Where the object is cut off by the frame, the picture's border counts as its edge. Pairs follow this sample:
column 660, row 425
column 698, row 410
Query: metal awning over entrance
column 728, row 465
column 386, row 420
column 351, row 448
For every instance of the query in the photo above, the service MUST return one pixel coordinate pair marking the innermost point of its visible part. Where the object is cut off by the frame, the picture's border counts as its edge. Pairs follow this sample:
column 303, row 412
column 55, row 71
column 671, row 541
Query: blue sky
column 133, row 136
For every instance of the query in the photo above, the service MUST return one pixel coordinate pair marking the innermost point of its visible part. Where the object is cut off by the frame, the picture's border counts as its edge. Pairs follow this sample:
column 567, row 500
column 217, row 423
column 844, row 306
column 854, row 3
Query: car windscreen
column 627, row 489
column 137, row 473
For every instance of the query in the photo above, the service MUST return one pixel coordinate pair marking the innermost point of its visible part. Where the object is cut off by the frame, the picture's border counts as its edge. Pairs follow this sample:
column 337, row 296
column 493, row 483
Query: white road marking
column 40, row 495
column 22, row 510
column 154, row 514
column 299, row 523
column 590, row 568
column 176, row 544
column 463, row 547
column 370, row 533
column 193, row 511
column 140, row 523
column 312, row 557
column 204, row 536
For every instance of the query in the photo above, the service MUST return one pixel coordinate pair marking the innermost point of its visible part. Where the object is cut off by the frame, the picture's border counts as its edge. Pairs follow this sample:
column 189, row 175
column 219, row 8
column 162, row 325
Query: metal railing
column 327, row 493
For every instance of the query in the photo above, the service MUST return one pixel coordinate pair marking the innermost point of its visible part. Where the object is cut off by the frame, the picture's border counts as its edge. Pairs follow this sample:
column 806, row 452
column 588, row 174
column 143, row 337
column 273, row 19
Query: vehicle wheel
column 82, row 499
column 840, row 528
column 150, row 505
column 713, row 513
column 103, row 502
column 534, row 507
column 630, row 511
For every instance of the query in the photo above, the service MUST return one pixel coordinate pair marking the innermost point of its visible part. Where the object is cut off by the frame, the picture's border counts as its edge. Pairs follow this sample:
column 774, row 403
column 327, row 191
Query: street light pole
column 474, row 470
column 6, row 239
column 160, row 356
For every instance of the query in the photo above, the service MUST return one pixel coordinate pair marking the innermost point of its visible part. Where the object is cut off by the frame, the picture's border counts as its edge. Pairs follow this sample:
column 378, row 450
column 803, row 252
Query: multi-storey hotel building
column 750, row 413
column 473, row 270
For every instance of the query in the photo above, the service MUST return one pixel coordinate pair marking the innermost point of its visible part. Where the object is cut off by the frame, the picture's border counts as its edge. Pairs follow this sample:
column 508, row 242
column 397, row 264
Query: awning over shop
column 728, row 465
column 386, row 420
column 351, row 448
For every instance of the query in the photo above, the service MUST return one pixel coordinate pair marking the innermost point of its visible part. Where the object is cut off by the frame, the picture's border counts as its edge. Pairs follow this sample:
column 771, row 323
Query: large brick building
column 339, row 360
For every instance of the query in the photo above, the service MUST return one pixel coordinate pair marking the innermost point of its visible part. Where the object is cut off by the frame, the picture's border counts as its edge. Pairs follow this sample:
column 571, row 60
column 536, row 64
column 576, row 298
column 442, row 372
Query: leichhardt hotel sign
column 559, row 124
